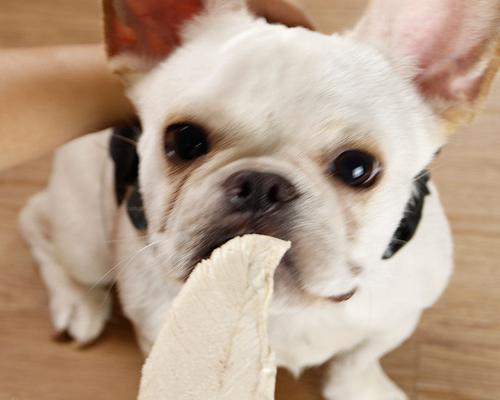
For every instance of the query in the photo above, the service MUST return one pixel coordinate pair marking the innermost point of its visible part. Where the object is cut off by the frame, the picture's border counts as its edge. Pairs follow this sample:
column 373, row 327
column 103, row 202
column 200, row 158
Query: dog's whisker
column 127, row 239
column 120, row 264
column 125, row 139
column 108, row 294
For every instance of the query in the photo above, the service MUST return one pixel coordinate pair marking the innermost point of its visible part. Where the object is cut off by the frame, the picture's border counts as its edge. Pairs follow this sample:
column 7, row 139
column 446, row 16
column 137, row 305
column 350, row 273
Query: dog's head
column 256, row 127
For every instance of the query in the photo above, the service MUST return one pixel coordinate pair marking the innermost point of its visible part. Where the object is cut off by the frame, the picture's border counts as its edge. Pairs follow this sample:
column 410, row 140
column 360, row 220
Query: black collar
column 122, row 148
column 411, row 216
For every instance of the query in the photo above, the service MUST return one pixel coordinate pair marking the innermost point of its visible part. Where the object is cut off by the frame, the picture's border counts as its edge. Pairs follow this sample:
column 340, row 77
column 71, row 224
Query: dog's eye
column 186, row 141
column 356, row 168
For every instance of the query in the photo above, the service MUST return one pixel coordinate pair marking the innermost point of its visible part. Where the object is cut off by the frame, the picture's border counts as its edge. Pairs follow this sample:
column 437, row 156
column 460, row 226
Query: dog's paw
column 373, row 384
column 363, row 393
column 80, row 312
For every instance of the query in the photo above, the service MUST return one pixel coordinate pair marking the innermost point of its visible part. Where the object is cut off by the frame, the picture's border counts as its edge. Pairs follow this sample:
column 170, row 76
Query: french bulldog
column 250, row 126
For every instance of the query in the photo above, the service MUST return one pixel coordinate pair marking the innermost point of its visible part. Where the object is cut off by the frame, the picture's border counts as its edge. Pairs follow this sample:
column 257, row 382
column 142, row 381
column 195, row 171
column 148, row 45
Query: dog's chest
column 311, row 337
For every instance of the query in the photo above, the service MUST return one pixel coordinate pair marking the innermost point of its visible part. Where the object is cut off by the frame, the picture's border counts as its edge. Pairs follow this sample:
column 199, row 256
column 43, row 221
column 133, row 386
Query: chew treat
column 214, row 343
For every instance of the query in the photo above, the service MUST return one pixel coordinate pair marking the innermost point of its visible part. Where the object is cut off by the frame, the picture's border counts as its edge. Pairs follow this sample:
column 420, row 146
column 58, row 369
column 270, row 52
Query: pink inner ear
column 428, row 29
column 431, row 33
column 448, row 39
column 149, row 28
column 452, row 79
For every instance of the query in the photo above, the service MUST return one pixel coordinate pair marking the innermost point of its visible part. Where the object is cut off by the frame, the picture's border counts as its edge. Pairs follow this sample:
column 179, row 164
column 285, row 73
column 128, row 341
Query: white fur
column 282, row 98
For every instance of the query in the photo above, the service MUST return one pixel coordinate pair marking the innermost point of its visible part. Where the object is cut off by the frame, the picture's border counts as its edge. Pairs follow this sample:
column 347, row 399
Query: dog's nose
column 258, row 192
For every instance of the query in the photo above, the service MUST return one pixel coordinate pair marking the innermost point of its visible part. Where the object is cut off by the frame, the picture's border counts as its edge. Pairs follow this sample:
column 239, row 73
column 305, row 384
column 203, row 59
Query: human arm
column 50, row 95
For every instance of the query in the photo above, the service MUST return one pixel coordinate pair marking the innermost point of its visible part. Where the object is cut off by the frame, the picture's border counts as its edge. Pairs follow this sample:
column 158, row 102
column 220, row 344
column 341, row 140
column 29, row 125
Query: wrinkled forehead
column 291, row 82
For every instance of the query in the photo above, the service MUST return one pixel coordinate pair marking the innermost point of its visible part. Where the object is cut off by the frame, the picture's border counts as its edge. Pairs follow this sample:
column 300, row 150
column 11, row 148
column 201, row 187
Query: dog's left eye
column 356, row 168
column 186, row 141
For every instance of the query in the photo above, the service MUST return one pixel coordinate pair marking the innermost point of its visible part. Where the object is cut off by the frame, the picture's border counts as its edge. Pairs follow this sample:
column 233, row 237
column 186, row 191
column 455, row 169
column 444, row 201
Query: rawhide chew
column 214, row 343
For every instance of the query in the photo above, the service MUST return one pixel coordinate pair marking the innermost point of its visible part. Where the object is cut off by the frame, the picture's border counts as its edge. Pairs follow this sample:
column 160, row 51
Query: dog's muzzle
column 258, row 193
column 253, row 202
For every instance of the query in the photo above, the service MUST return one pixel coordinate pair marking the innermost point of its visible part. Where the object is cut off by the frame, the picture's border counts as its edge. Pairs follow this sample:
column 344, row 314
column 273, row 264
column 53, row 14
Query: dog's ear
column 453, row 45
column 140, row 33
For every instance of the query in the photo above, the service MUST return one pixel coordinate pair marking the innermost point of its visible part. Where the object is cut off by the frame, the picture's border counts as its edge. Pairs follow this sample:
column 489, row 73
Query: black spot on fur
column 411, row 217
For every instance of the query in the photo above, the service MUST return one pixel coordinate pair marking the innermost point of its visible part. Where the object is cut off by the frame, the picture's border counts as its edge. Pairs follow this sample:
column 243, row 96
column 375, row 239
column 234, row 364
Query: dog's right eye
column 186, row 141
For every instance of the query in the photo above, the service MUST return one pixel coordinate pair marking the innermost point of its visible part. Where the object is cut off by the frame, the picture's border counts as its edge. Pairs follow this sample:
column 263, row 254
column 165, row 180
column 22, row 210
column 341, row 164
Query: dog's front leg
column 78, row 307
column 369, row 383
column 357, row 374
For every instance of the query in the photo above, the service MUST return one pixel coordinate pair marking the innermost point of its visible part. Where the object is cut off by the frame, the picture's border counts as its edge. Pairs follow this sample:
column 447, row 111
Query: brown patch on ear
column 455, row 116
column 147, row 28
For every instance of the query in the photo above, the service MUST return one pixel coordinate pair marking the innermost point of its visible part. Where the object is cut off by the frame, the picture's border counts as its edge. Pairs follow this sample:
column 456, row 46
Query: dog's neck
column 123, row 152
column 411, row 216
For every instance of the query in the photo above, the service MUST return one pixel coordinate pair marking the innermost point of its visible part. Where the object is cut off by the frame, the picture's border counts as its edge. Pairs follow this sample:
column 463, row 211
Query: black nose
column 258, row 192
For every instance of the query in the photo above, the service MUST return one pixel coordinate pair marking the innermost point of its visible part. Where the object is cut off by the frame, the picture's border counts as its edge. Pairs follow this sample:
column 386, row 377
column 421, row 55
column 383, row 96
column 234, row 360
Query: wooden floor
column 454, row 355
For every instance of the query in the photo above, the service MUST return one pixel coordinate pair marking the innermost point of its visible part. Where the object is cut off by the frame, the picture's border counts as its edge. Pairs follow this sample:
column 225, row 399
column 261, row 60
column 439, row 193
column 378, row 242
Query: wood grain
column 454, row 355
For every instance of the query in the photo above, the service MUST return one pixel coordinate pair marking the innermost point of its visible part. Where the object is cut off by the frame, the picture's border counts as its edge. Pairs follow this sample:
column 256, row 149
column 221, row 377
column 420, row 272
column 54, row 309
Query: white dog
column 248, row 127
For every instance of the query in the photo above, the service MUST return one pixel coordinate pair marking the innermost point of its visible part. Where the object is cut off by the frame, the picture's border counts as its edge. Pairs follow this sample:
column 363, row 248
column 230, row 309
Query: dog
column 247, row 126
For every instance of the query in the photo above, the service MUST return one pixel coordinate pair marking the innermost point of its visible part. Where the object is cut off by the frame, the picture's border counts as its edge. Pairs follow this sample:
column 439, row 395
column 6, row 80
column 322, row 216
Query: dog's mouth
column 344, row 297
column 216, row 240
column 207, row 250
